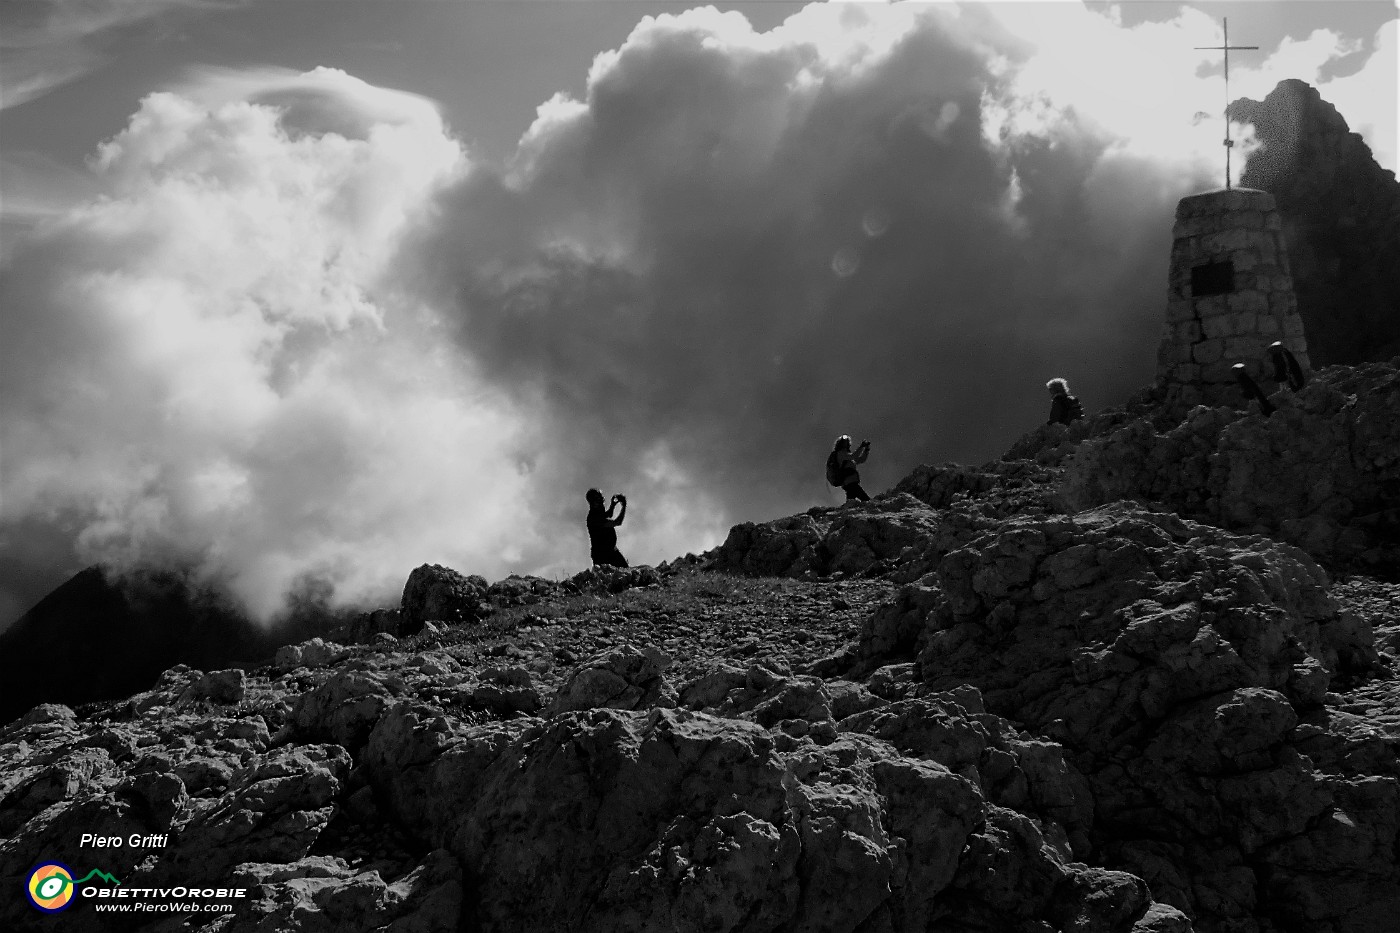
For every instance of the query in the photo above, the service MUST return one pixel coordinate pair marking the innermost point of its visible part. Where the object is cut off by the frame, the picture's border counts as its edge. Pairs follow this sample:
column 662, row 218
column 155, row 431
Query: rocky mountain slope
column 1140, row 676
column 1341, row 221
column 102, row 635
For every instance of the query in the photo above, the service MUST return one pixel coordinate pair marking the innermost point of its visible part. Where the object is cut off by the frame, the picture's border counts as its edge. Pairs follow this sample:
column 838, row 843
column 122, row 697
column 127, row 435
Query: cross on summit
column 1227, row 48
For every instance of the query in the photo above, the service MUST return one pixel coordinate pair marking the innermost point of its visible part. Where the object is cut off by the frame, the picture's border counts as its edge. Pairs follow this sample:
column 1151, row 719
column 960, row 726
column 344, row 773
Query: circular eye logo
column 50, row 887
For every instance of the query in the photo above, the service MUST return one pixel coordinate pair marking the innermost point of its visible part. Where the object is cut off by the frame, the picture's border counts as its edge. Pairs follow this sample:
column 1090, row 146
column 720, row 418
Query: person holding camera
column 602, row 529
column 841, row 467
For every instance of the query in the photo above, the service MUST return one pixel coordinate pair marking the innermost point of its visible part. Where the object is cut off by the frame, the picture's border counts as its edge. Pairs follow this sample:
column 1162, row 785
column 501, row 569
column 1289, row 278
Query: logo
column 51, row 886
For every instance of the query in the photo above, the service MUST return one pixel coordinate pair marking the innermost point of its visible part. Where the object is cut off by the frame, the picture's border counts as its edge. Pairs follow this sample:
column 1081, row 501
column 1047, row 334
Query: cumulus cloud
column 211, row 364
column 890, row 221
column 303, row 335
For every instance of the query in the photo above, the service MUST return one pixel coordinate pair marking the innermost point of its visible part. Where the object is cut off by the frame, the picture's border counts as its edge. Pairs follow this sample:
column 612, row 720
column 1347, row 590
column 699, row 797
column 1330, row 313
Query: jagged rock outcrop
column 1341, row 216
column 605, row 579
column 437, row 593
column 1322, row 472
column 891, row 533
column 670, row 819
column 902, row 534
column 1177, row 665
column 626, row 678
column 649, row 795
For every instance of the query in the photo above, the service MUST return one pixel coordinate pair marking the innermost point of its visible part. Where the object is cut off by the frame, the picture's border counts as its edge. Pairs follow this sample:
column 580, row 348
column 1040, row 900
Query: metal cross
column 1227, row 48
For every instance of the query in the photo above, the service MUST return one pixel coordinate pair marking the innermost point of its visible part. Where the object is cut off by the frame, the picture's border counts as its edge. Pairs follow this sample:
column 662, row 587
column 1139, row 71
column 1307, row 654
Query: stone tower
column 1230, row 296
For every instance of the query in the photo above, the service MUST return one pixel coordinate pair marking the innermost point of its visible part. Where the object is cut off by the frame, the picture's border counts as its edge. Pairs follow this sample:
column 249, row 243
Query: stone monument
column 1230, row 295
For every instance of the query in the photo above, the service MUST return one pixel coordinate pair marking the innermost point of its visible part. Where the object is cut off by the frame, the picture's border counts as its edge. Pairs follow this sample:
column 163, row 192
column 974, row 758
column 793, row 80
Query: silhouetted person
column 1064, row 407
column 1252, row 390
column 602, row 529
column 841, row 467
column 1286, row 368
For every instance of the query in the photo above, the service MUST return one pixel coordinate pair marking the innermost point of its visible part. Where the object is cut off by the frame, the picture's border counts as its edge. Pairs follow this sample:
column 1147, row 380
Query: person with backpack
column 1064, row 407
column 841, row 467
column 602, row 529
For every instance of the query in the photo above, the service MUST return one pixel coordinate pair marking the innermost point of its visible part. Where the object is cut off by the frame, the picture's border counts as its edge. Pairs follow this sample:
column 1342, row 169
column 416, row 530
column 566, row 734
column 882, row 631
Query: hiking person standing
column 1064, row 407
column 602, row 529
column 1286, row 368
column 841, row 467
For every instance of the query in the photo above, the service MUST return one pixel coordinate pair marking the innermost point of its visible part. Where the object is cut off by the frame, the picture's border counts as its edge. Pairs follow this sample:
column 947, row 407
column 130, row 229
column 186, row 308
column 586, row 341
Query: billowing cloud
column 887, row 221
column 210, row 363
column 304, row 336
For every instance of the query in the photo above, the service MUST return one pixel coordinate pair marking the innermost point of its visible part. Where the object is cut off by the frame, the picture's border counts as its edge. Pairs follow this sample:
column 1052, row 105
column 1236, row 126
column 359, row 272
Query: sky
column 301, row 295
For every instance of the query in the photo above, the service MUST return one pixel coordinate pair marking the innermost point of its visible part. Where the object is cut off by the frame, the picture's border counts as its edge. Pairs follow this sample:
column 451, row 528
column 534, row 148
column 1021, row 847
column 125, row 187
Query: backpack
column 833, row 470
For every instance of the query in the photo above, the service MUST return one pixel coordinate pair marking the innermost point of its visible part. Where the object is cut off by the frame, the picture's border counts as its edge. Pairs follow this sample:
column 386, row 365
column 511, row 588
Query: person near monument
column 1251, row 389
column 1064, row 407
column 841, row 467
column 1286, row 367
column 602, row 529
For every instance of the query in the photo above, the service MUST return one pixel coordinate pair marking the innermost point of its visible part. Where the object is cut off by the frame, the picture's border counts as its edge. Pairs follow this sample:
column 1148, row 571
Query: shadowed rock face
column 99, row 637
column 1175, row 663
column 1341, row 222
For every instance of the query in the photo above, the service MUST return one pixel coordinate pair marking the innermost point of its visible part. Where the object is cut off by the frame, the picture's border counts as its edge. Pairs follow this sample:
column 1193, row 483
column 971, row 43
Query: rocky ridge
column 1072, row 690
column 1341, row 225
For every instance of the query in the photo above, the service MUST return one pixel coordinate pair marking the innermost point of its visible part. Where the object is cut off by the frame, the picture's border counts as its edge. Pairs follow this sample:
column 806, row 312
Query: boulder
column 604, row 579
column 368, row 626
column 437, row 593
column 314, row 653
column 623, row 678
column 321, row 895
column 1173, row 662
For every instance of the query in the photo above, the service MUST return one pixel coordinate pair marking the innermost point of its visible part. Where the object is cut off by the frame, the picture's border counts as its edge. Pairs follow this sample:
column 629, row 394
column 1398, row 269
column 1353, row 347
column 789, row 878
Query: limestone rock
column 626, row 678
column 681, row 820
column 316, row 894
column 771, row 548
column 1171, row 661
column 317, row 652
column 611, row 579
column 222, row 687
column 428, row 769
column 437, row 593
column 509, row 690
column 368, row 626
column 274, row 810
column 876, row 537
column 345, row 707
column 516, row 590
column 1320, row 473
